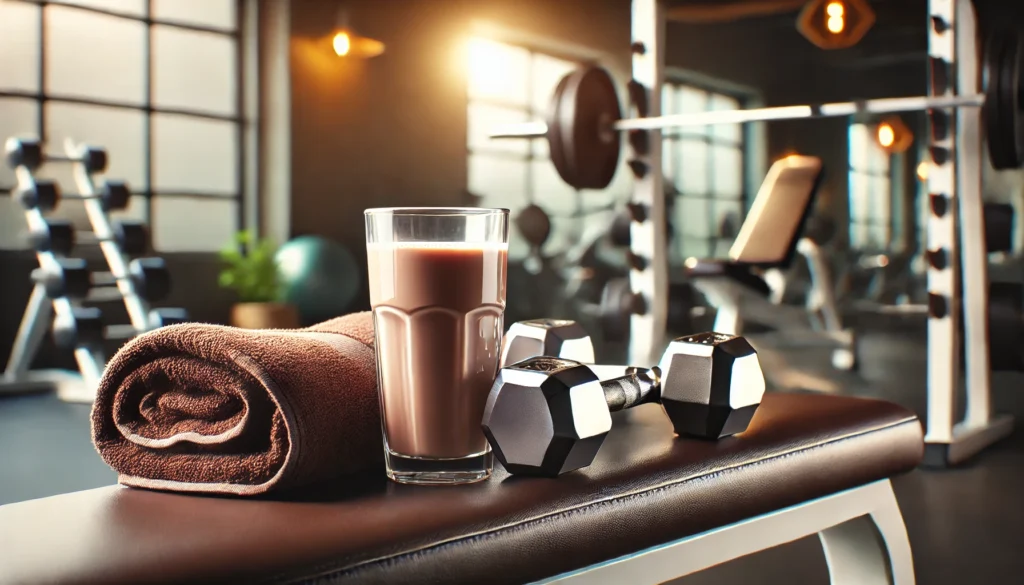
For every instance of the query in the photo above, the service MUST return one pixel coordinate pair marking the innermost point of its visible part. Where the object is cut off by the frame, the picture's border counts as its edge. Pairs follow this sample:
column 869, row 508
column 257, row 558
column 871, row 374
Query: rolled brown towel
column 207, row 408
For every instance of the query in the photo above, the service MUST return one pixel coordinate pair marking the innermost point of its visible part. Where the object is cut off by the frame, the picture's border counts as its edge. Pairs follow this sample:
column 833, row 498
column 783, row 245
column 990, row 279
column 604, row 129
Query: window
column 506, row 84
column 871, row 209
column 158, row 83
column 704, row 169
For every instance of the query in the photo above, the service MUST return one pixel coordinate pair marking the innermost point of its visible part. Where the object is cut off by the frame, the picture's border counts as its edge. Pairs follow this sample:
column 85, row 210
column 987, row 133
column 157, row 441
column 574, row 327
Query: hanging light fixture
column 346, row 43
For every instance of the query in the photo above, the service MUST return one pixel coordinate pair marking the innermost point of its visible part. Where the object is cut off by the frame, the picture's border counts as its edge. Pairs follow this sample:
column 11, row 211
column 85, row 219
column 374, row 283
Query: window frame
column 243, row 119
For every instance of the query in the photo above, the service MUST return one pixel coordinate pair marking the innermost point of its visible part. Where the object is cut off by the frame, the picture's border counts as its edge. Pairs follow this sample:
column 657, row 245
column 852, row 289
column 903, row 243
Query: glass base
column 430, row 471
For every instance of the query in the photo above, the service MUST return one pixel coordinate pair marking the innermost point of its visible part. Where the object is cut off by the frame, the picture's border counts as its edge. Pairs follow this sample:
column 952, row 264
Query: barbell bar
column 584, row 117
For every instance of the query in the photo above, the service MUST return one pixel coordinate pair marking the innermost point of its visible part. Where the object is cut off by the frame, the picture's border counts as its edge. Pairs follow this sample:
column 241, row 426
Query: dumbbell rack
column 43, row 310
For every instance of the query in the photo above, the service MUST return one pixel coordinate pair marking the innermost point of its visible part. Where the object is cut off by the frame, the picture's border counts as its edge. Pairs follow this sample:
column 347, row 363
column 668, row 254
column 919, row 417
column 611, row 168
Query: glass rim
column 436, row 211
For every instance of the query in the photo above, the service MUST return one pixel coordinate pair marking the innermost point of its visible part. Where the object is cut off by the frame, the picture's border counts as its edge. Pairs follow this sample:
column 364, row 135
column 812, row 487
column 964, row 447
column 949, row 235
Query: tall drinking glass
column 437, row 288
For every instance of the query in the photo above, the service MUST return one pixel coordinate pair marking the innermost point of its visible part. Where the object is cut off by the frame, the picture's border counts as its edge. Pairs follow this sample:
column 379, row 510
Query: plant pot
column 264, row 316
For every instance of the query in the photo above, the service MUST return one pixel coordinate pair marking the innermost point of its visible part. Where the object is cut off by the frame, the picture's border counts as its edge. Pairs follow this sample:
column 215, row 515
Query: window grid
column 707, row 240
column 870, row 191
column 147, row 107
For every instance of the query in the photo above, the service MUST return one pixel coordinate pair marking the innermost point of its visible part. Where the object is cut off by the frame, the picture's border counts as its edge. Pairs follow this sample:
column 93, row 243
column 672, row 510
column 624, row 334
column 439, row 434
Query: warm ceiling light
column 346, row 43
column 342, row 44
column 922, row 171
column 886, row 135
column 834, row 9
column 835, row 24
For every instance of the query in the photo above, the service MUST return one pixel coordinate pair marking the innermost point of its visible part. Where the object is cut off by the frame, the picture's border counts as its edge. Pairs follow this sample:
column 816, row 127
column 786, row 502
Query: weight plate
column 617, row 302
column 1002, row 112
column 587, row 106
column 555, row 146
column 534, row 224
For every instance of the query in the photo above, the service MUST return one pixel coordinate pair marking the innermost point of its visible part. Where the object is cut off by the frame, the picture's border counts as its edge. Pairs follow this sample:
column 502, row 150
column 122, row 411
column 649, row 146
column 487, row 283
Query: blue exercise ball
column 319, row 276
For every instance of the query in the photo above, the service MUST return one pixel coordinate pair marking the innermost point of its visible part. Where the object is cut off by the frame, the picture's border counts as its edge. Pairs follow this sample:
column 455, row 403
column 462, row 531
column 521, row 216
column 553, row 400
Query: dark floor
column 966, row 525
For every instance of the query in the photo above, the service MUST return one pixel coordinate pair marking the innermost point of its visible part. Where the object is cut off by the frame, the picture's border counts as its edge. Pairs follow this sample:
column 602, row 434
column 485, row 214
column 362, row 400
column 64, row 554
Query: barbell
column 584, row 118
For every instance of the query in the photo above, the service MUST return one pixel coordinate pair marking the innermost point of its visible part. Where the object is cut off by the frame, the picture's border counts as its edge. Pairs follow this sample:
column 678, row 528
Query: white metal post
column 647, row 329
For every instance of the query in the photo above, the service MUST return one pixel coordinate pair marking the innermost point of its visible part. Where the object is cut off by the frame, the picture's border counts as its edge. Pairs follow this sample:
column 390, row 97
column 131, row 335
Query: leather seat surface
column 646, row 488
column 705, row 268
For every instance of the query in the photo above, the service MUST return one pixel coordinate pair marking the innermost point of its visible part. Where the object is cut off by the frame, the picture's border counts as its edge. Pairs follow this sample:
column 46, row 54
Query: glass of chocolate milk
column 437, row 288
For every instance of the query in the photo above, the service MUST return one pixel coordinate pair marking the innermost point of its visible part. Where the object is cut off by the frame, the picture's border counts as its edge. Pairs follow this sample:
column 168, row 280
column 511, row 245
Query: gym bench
column 651, row 508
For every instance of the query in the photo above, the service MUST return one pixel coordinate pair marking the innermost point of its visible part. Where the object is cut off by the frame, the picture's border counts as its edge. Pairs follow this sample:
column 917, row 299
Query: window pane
column 133, row 7
column 136, row 210
column 481, row 120
column 194, row 155
column 694, row 248
column 669, row 155
column 193, row 70
column 497, row 71
column 550, row 191
column 691, row 100
column 119, row 131
column 18, row 117
column 19, row 46
column 216, row 13
column 692, row 167
column 192, row 225
column 95, row 56
column 547, row 71
column 668, row 99
column 878, row 158
column 860, row 200
column 881, row 207
column 733, row 132
column 693, row 217
column 500, row 181
column 728, row 166
column 859, row 145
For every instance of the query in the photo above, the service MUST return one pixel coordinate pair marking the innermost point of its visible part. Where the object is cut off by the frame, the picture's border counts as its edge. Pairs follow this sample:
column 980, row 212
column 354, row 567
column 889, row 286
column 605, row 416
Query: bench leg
column 873, row 548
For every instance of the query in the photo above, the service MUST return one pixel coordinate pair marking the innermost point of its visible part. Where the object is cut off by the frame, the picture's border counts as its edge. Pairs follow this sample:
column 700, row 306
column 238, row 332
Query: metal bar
column 943, row 286
column 240, row 131
column 125, row 16
column 647, row 239
column 152, row 194
column 847, row 557
column 136, row 307
column 42, row 98
column 147, row 161
column 41, row 114
column 805, row 111
column 31, row 332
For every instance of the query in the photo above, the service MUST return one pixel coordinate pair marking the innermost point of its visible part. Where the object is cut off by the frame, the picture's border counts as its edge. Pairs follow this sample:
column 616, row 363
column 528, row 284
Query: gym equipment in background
column 62, row 283
column 319, row 277
column 549, row 415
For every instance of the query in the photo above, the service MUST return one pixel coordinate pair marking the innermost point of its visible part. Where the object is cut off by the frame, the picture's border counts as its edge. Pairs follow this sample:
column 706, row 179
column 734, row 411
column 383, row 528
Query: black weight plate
column 1003, row 118
column 999, row 219
column 617, row 302
column 151, row 278
column 534, row 224
column 588, row 107
column 132, row 237
column 555, row 145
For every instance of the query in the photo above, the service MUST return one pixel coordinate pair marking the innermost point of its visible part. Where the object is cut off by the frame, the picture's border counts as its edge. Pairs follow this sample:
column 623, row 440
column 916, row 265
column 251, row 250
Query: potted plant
column 251, row 271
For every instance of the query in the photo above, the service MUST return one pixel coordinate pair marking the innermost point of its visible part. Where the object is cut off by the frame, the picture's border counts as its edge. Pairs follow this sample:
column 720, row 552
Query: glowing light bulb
column 922, row 171
column 835, row 24
column 835, row 9
column 342, row 44
column 886, row 135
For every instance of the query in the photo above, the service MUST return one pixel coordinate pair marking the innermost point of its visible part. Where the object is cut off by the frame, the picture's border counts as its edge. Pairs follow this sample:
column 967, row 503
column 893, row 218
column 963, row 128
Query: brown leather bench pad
column 646, row 488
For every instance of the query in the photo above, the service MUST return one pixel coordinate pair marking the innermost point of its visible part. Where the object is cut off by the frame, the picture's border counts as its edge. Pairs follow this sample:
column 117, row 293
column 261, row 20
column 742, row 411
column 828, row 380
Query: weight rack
column 41, row 310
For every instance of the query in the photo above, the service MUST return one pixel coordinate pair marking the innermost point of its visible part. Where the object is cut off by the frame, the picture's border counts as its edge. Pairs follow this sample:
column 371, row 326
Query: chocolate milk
column 439, row 310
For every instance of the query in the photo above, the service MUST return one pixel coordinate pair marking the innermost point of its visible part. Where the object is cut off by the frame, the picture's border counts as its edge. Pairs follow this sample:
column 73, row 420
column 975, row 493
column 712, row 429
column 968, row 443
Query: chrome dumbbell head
column 547, row 337
column 712, row 384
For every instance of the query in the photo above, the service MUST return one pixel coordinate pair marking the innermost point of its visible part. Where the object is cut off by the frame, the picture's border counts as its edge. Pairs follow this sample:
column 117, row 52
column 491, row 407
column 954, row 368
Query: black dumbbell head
column 151, row 278
column 43, row 195
column 132, row 237
column 82, row 328
column 546, row 416
column 711, row 384
column 167, row 316
column 550, row 337
column 94, row 159
column 23, row 152
column 68, row 278
column 55, row 236
column 114, row 195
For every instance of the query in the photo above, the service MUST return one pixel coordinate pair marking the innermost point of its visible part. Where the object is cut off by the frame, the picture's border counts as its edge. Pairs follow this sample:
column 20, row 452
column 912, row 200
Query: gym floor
column 964, row 524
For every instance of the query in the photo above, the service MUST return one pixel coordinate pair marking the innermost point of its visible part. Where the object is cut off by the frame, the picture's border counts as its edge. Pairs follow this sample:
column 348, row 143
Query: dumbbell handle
column 637, row 386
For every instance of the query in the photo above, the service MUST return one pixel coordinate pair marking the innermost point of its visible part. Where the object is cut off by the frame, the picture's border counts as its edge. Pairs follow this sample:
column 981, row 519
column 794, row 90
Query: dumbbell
column 547, row 416
column 45, row 195
column 29, row 153
column 84, row 326
column 71, row 278
column 60, row 237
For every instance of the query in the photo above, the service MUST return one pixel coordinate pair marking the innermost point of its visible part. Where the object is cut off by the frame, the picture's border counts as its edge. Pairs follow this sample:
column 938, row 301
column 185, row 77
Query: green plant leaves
column 250, row 269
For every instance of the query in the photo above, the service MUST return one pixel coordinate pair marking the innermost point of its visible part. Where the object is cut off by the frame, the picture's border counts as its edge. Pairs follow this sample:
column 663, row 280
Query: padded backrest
column 769, row 235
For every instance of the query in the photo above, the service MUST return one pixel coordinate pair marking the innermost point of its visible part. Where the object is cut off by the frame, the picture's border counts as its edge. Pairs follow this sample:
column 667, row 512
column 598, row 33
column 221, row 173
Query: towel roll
column 207, row 408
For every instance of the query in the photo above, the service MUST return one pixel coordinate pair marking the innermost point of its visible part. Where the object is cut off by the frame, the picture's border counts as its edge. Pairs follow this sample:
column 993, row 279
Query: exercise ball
column 318, row 276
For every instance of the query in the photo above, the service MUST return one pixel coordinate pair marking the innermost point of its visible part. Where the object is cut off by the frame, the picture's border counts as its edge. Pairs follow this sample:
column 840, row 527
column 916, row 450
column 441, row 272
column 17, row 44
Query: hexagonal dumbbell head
column 711, row 384
column 546, row 416
column 550, row 337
